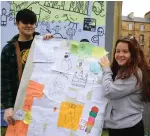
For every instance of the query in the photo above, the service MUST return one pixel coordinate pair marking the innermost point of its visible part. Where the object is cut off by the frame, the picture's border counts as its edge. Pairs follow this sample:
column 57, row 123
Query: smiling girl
column 126, row 84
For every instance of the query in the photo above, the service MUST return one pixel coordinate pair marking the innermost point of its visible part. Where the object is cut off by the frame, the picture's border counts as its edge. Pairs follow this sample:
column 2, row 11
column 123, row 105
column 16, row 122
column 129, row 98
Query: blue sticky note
column 95, row 67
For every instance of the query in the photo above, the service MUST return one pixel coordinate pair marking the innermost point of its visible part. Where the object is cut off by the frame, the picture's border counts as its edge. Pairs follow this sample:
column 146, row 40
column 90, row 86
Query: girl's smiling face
column 122, row 53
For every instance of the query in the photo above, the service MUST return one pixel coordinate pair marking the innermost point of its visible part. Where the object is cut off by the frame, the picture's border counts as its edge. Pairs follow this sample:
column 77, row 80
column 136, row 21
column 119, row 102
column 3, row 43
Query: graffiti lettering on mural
column 73, row 6
column 47, row 11
column 98, row 7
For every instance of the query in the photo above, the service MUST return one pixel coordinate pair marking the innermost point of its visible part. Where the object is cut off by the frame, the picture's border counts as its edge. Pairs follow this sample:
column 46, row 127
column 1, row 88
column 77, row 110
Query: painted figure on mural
column 4, row 17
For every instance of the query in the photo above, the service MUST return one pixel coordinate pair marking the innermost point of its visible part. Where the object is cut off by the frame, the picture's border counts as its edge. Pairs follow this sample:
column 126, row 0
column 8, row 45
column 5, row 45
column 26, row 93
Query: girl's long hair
column 138, row 60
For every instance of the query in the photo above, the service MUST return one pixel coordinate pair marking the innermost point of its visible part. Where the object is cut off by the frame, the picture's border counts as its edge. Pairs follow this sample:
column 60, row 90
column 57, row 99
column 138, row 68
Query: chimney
column 147, row 15
column 131, row 15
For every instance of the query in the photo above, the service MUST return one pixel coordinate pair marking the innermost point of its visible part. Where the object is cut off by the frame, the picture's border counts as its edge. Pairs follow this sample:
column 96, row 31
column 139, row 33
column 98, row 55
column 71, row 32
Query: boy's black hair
column 84, row 40
column 26, row 16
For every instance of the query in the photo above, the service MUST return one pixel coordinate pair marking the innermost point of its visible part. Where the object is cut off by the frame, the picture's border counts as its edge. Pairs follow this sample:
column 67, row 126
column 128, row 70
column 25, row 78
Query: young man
column 13, row 59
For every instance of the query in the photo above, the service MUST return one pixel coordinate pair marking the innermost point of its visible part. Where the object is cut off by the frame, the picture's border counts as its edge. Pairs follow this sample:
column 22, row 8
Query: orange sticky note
column 19, row 129
column 35, row 89
column 69, row 115
column 28, row 103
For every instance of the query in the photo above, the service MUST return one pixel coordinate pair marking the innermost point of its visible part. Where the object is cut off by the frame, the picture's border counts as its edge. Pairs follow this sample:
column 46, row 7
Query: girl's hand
column 104, row 62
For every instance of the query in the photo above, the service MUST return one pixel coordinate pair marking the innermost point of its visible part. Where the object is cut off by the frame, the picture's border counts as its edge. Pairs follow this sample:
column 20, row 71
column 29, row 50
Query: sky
column 139, row 7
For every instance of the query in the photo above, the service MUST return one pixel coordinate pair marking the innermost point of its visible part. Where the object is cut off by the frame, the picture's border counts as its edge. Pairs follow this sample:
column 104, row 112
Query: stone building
column 139, row 28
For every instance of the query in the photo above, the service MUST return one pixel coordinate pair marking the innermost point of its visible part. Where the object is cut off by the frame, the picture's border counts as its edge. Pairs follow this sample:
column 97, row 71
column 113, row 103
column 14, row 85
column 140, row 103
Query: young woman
column 126, row 84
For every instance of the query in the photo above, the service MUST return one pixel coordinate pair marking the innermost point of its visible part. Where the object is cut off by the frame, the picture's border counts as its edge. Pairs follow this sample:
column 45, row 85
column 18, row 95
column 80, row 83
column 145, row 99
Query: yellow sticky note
column 27, row 117
column 70, row 115
column 98, row 52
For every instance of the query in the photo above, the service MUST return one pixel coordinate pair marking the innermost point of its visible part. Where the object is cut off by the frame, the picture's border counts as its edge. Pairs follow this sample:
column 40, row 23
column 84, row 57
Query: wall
column 73, row 20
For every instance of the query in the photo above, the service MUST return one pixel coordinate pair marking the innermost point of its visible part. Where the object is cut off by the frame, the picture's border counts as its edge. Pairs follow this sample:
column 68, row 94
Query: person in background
column 13, row 59
column 126, row 83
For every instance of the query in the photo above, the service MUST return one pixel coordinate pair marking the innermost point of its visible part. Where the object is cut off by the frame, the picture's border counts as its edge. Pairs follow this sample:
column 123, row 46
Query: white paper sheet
column 44, row 118
column 41, row 72
column 45, row 50
column 69, row 63
column 98, row 95
column 56, row 87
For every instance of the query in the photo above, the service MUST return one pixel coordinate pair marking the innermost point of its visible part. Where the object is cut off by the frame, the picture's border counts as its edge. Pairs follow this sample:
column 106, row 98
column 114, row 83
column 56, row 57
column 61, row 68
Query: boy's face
column 26, row 29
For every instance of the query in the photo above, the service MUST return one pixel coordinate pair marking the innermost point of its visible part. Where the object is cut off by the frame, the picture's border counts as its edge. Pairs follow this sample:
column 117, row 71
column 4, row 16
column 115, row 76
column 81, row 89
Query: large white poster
column 57, row 101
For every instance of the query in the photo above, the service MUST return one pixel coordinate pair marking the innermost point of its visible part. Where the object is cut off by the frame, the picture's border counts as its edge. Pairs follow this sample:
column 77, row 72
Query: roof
column 136, row 19
column 147, row 13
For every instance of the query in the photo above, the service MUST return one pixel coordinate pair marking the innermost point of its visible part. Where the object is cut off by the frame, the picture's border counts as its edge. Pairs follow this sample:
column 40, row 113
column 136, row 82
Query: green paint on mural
column 99, row 12
column 62, row 11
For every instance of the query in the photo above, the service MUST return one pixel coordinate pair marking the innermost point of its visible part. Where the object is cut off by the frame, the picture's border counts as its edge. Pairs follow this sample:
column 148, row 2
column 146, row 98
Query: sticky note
column 35, row 89
column 19, row 129
column 95, row 67
column 28, row 103
column 98, row 52
column 27, row 117
column 69, row 116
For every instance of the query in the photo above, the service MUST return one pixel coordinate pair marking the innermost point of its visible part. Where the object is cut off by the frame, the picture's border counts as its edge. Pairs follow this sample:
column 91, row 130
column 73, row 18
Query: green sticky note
column 85, row 50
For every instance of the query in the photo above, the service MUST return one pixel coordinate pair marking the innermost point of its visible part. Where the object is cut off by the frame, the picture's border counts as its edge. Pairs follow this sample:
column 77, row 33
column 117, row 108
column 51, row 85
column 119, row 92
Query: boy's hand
column 47, row 36
column 8, row 116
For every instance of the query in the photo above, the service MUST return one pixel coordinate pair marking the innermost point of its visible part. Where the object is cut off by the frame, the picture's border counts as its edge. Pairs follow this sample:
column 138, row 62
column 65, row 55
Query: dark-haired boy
column 13, row 59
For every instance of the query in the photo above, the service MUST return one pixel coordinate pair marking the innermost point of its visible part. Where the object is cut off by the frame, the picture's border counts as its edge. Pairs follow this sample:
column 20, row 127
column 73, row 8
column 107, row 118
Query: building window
column 130, row 27
column 142, row 27
column 141, row 39
column 130, row 35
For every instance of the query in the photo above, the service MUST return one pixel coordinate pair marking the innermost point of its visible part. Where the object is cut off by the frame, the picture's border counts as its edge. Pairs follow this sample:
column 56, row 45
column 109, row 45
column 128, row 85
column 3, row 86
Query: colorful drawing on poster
column 69, row 115
column 66, row 63
column 87, row 50
column 91, row 119
column 79, row 79
column 82, row 124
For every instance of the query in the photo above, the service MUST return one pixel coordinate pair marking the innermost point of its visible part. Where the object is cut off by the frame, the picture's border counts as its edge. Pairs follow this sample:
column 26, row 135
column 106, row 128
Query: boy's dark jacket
column 11, row 72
